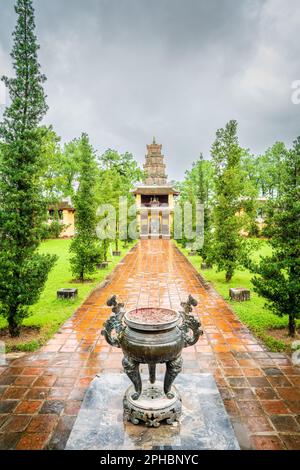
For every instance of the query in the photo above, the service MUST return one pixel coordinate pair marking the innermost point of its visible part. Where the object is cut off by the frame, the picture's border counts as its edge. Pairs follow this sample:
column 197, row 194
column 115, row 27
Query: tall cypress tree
column 229, row 247
column 85, row 245
column 202, row 191
column 23, row 270
column 278, row 277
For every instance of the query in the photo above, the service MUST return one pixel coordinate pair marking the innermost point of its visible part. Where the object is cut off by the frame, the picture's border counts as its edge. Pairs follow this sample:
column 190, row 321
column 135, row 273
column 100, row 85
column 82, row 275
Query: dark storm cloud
column 125, row 70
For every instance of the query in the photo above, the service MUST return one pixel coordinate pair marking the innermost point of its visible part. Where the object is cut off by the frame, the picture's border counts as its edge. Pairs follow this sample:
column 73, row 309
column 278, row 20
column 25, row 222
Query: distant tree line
column 232, row 186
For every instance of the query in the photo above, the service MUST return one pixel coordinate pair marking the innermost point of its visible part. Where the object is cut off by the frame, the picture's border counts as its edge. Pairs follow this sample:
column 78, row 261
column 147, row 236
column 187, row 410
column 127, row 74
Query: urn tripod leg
column 152, row 373
column 173, row 369
column 132, row 369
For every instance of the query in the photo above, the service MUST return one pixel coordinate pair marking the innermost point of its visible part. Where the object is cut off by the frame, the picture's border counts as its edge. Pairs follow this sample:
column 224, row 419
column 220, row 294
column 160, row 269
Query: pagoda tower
column 155, row 198
column 154, row 167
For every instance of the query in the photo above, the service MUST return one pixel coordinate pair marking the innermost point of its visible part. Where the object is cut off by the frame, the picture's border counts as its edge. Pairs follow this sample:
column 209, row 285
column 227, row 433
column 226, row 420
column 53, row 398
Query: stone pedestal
column 204, row 424
column 67, row 294
column 103, row 265
column 205, row 266
column 239, row 294
column 153, row 407
column 116, row 253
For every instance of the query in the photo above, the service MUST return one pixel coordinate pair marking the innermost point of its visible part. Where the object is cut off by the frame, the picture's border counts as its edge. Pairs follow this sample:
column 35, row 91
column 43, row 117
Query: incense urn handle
column 190, row 323
column 114, row 323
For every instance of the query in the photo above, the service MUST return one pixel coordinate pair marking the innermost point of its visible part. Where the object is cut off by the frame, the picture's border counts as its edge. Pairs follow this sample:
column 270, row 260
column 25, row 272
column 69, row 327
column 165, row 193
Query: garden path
column 41, row 393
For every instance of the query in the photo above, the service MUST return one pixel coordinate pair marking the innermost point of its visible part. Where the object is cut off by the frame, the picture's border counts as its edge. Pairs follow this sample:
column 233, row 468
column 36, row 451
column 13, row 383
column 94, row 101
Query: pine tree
column 197, row 187
column 85, row 245
column 23, row 270
column 202, row 193
column 229, row 247
column 279, row 274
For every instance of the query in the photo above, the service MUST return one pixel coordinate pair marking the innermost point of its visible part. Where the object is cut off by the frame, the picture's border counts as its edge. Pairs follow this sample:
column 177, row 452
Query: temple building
column 66, row 217
column 155, row 198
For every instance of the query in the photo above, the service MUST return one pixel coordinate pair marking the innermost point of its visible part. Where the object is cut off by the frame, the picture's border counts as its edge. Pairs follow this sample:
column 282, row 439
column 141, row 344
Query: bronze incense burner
column 152, row 336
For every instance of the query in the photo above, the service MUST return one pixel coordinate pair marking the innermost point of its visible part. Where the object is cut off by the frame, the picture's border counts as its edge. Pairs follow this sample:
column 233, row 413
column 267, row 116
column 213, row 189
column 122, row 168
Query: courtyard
column 42, row 392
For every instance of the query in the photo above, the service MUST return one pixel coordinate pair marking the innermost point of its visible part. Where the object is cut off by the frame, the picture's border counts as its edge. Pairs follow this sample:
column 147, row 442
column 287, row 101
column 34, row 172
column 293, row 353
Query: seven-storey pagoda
column 155, row 198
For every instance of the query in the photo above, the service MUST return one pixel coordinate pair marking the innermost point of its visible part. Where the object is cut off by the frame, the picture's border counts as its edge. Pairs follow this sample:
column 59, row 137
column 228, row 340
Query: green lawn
column 253, row 314
column 49, row 313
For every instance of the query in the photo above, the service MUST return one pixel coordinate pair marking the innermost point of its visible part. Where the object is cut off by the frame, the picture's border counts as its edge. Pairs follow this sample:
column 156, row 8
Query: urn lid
column 152, row 319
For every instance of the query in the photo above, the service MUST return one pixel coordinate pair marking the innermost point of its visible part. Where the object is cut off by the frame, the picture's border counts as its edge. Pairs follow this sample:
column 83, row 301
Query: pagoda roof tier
column 149, row 190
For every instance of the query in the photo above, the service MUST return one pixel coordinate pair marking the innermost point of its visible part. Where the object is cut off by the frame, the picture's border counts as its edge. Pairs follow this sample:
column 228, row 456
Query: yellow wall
column 69, row 221
column 171, row 201
column 138, row 200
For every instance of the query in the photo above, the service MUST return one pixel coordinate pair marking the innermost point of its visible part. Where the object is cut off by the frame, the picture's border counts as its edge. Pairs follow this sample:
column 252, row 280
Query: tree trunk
column 229, row 275
column 292, row 326
column 13, row 327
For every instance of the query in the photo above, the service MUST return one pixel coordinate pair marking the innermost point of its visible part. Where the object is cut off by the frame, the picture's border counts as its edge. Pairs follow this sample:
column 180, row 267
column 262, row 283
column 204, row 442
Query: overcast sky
column 126, row 70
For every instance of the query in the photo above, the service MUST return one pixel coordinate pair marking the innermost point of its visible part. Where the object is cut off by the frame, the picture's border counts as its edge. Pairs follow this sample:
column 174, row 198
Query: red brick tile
column 33, row 441
column 72, row 408
column 291, row 441
column 59, row 393
column 238, row 382
column 42, row 424
column 273, row 407
column 16, row 424
column 243, row 394
column 3, row 418
column 54, row 407
column 84, row 381
column 267, row 443
column 252, row 372
column 295, row 380
column 3, row 389
column 37, row 393
column 13, row 393
column 24, row 381
column 258, row 424
column 66, row 381
column 77, row 394
column 13, row 371
column 233, row 372
column 45, row 381
column 279, row 381
column 291, row 394
column 258, row 382
column 32, row 371
column 28, row 407
column 7, row 406
column 291, row 371
column 293, row 405
column 285, row 424
column 8, row 441
column 247, row 363
column 266, row 393
column 231, row 407
column 250, row 408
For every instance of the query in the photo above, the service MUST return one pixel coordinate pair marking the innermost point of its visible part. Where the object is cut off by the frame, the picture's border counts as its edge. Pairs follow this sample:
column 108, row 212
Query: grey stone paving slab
column 204, row 424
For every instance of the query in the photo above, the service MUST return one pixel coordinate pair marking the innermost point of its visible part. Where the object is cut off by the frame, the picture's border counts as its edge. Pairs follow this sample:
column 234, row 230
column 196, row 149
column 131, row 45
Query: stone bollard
column 206, row 266
column 193, row 253
column 69, row 294
column 239, row 294
column 103, row 265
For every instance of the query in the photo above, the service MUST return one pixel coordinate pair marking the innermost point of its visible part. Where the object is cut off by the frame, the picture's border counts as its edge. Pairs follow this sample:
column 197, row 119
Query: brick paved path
column 41, row 393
